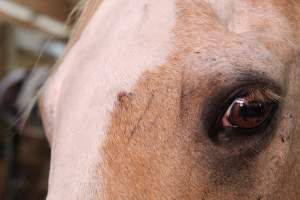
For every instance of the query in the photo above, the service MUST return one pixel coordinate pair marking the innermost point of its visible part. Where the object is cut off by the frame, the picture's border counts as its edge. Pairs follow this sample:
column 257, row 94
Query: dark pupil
column 252, row 110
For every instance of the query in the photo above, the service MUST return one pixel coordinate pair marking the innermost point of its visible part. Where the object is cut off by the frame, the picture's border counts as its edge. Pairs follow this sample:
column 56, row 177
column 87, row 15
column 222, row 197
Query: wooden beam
column 57, row 9
column 21, row 15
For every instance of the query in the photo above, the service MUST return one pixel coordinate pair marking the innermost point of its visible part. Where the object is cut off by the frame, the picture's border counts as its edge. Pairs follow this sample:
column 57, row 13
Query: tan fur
column 154, row 151
column 157, row 146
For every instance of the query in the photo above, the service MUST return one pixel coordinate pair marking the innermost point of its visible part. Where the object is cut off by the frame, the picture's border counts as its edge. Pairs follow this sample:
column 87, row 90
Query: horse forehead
column 120, row 43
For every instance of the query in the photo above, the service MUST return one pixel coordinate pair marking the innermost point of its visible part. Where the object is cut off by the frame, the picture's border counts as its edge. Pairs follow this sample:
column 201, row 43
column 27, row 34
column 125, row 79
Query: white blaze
column 124, row 39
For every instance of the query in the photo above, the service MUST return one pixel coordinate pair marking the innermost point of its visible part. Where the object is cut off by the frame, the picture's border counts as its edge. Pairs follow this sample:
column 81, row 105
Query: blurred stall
column 33, row 34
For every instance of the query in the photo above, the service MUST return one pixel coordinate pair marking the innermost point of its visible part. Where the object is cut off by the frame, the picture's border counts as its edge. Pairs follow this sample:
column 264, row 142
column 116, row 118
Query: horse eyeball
column 248, row 112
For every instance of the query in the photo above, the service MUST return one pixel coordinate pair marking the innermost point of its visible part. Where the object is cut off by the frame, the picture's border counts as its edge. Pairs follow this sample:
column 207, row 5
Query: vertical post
column 3, row 58
column 7, row 49
column 8, row 63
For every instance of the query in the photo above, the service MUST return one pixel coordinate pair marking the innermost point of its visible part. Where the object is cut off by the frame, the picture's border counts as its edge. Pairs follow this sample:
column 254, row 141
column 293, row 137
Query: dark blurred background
column 33, row 34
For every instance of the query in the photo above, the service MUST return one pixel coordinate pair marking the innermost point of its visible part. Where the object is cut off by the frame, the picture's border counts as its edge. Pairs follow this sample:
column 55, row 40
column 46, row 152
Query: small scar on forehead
column 122, row 95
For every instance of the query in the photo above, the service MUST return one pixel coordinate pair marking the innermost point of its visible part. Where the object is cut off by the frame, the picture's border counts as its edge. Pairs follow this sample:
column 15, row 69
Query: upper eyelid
column 261, row 78
column 244, row 81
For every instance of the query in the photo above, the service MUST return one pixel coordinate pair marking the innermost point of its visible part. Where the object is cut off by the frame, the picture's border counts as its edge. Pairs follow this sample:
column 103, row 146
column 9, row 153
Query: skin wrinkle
column 141, row 117
column 170, row 156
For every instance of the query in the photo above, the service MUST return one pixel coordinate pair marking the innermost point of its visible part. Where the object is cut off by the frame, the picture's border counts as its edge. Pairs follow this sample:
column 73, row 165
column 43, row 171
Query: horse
column 169, row 99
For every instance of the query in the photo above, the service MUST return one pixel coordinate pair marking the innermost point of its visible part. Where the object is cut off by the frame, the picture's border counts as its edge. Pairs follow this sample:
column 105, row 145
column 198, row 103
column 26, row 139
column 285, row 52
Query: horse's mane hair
column 82, row 13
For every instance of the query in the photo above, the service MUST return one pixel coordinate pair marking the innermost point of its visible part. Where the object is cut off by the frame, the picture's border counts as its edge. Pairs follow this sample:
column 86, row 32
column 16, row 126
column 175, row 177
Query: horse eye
column 247, row 113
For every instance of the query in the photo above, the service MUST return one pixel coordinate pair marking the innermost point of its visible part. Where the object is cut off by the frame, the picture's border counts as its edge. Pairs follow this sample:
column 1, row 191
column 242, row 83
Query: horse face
column 178, row 100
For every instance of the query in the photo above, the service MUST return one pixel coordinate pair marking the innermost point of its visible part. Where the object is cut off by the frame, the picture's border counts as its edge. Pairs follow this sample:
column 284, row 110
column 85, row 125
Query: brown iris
column 247, row 113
